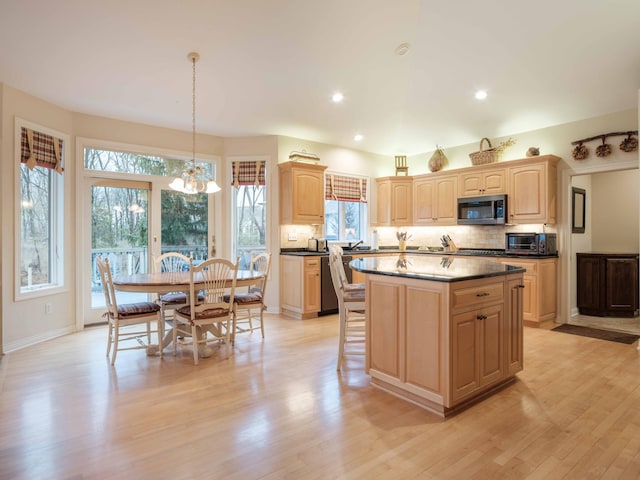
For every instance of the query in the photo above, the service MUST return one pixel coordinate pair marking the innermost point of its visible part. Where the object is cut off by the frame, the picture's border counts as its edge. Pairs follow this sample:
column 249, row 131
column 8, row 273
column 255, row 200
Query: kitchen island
column 442, row 332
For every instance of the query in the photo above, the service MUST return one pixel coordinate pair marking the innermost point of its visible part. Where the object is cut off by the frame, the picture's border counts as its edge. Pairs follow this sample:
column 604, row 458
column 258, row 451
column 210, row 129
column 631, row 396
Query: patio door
column 120, row 231
column 133, row 221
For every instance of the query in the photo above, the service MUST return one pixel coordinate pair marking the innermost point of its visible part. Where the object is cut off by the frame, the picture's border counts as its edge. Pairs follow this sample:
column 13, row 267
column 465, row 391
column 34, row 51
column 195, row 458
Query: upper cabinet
column 484, row 181
column 435, row 199
column 301, row 193
column 530, row 185
column 533, row 190
column 395, row 201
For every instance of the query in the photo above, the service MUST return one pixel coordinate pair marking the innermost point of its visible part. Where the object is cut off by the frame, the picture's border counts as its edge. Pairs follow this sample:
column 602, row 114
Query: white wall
column 24, row 322
column 580, row 242
column 615, row 211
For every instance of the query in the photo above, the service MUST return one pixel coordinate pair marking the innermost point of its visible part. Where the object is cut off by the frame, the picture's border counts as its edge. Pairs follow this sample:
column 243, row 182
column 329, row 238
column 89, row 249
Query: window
column 249, row 209
column 137, row 163
column 345, row 207
column 41, row 242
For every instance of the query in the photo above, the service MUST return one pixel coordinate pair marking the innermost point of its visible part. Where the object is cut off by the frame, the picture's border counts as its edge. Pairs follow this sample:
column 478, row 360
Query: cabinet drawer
column 312, row 263
column 475, row 296
column 530, row 267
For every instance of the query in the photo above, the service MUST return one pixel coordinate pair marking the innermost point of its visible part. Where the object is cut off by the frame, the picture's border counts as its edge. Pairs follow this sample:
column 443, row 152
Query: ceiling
column 269, row 67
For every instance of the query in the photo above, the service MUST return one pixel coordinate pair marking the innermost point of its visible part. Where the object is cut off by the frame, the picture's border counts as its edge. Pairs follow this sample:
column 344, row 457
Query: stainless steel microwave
column 531, row 243
column 485, row 210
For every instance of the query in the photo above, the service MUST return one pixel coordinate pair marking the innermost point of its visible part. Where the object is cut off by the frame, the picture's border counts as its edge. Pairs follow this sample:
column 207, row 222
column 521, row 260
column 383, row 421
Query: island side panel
column 383, row 303
column 408, row 338
column 426, row 335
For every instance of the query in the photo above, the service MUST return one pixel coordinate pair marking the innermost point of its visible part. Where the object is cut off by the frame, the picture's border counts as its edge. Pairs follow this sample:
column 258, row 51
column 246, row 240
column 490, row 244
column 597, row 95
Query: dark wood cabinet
column 607, row 284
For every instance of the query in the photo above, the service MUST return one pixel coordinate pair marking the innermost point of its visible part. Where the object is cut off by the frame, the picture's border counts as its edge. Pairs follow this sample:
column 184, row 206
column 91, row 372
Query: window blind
column 345, row 188
column 248, row 172
column 40, row 149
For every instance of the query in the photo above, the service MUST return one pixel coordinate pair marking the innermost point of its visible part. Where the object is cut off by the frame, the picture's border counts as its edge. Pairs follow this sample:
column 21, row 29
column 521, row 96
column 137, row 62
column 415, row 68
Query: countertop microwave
column 484, row 210
column 531, row 243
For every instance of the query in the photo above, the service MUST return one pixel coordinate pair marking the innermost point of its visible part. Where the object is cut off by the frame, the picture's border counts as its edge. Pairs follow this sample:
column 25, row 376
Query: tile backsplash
column 463, row 236
column 490, row 236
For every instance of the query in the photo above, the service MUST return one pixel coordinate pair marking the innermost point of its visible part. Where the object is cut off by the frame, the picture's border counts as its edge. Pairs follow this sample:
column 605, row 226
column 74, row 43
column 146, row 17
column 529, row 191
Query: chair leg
column 116, row 338
column 175, row 335
column 262, row 322
column 228, row 336
column 343, row 319
column 160, row 333
column 196, row 344
column 109, row 337
column 234, row 316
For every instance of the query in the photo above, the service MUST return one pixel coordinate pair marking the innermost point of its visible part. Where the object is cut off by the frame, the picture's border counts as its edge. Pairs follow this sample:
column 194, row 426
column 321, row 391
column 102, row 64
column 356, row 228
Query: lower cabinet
column 300, row 286
column 477, row 341
column 443, row 345
column 607, row 284
column 539, row 296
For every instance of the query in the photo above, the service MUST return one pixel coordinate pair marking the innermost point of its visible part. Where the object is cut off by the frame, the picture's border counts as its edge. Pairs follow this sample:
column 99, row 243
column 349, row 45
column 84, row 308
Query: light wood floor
column 279, row 409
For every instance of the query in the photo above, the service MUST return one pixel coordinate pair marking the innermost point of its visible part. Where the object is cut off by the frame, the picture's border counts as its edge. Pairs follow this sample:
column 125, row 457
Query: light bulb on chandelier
column 193, row 178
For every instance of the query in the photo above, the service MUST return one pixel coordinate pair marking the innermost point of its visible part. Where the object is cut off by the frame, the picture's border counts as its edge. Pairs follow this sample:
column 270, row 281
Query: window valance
column 40, row 149
column 345, row 188
column 248, row 172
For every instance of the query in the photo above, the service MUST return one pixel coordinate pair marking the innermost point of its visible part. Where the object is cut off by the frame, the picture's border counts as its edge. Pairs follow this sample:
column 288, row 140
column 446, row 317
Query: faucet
column 355, row 245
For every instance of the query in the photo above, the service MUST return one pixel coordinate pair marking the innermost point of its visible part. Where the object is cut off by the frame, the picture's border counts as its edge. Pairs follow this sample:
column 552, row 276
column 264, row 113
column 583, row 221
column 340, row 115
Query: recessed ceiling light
column 481, row 94
column 358, row 137
column 403, row 49
column 337, row 97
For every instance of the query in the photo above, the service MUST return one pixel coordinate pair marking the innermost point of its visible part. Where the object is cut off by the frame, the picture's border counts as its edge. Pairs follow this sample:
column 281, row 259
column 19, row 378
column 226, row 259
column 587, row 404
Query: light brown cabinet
column 300, row 286
column 301, row 193
column 485, row 181
column 477, row 341
column 394, row 201
column 435, row 199
column 530, row 185
column 514, row 323
column 539, row 296
column 532, row 191
column 468, row 344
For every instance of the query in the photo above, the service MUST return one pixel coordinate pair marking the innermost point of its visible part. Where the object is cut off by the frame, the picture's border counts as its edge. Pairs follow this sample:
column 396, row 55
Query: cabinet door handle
column 520, row 286
column 482, row 294
column 481, row 317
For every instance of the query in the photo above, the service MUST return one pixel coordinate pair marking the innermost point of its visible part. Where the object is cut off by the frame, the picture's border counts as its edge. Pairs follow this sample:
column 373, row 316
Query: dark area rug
column 596, row 333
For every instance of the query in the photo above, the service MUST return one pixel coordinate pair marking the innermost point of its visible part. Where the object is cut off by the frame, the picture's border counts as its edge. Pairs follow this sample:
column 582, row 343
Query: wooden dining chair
column 248, row 307
column 171, row 262
column 209, row 320
column 120, row 316
column 351, row 312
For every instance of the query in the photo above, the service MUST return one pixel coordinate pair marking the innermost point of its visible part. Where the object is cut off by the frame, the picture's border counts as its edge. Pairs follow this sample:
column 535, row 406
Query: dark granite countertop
column 463, row 252
column 431, row 267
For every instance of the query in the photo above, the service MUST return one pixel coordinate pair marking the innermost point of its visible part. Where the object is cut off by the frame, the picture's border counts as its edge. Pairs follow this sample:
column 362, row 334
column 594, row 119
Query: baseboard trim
column 42, row 337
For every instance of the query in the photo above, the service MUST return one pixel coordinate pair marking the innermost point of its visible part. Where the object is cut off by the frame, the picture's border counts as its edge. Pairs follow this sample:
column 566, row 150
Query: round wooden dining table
column 166, row 282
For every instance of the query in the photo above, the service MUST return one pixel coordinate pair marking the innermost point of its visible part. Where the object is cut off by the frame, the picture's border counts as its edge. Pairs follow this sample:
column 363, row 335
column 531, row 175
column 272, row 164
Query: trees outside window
column 41, row 228
column 40, row 248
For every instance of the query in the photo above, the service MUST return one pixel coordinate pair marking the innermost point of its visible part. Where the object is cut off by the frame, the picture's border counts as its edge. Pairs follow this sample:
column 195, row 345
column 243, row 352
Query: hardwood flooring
column 278, row 409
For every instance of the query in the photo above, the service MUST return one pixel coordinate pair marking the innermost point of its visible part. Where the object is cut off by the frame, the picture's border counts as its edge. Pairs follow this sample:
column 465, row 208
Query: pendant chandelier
column 194, row 179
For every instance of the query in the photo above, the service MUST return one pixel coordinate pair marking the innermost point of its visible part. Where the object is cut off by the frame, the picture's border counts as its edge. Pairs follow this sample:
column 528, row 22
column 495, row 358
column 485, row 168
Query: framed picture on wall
column 578, row 198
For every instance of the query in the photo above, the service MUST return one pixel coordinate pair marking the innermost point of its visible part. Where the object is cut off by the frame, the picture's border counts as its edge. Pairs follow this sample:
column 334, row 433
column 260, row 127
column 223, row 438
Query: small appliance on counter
column 531, row 243
column 317, row 245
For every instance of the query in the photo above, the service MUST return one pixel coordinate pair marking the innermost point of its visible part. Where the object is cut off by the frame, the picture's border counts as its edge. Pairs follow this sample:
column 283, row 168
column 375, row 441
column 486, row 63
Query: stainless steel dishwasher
column 328, row 299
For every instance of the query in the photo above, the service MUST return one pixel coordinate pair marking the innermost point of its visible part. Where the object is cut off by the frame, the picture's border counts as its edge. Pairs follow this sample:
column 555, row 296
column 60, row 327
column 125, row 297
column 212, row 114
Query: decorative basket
column 484, row 156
